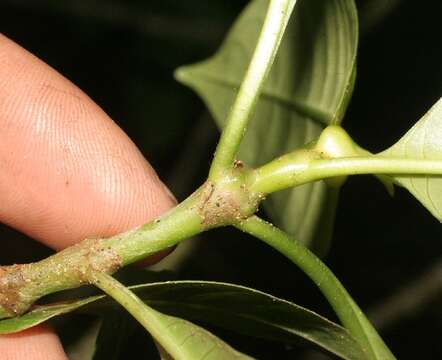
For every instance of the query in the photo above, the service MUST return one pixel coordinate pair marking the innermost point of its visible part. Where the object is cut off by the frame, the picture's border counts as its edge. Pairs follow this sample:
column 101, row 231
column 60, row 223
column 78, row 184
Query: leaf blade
column 39, row 314
column 250, row 312
column 422, row 141
column 191, row 341
column 115, row 331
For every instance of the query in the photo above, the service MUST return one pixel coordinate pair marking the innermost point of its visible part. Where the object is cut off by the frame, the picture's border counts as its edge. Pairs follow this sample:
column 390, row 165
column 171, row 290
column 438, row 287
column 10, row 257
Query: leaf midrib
column 276, row 325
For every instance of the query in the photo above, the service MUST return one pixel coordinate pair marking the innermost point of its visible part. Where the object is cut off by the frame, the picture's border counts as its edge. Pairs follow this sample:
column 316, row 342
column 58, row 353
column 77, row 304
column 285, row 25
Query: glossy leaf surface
column 234, row 307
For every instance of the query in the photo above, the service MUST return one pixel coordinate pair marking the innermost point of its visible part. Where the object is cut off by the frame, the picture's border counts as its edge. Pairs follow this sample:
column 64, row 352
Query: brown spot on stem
column 238, row 164
column 12, row 280
column 22, row 285
column 226, row 203
column 80, row 260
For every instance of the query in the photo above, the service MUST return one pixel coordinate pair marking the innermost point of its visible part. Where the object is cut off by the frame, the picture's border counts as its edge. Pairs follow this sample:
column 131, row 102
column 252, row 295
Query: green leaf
column 115, row 329
column 191, row 341
column 308, row 88
column 108, row 335
column 422, row 141
column 313, row 221
column 84, row 346
column 234, row 307
column 179, row 338
column 40, row 314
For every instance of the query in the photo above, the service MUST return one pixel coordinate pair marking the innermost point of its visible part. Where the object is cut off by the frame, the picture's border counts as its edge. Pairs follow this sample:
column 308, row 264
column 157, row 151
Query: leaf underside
column 249, row 312
column 422, row 141
column 191, row 341
column 308, row 88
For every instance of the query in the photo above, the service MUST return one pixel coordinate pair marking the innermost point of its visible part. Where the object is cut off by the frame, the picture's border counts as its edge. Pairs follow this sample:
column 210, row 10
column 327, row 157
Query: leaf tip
column 182, row 75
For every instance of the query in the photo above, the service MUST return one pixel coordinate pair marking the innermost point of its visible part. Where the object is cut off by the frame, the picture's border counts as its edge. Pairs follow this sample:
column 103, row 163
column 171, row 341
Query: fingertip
column 37, row 343
column 67, row 171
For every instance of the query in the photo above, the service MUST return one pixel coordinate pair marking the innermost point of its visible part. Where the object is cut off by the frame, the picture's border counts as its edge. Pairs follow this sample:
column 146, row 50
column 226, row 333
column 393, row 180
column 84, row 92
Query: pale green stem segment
column 22, row 285
column 289, row 171
column 181, row 222
column 212, row 205
column 149, row 318
column 347, row 310
column 277, row 17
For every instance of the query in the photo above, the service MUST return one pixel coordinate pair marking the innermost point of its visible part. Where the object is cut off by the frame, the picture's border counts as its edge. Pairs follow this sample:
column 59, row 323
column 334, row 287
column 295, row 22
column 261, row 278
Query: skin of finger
column 38, row 343
column 67, row 172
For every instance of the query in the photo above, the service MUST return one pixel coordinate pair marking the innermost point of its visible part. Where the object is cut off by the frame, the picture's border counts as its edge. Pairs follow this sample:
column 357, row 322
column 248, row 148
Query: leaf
column 422, row 141
column 83, row 347
column 308, row 88
column 313, row 221
column 40, row 314
column 108, row 335
column 115, row 329
column 181, row 339
column 191, row 341
column 234, row 307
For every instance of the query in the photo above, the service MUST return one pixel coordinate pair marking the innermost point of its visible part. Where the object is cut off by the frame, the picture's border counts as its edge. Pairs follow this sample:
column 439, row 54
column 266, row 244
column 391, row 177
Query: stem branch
column 276, row 20
column 347, row 310
column 212, row 205
column 289, row 171
column 22, row 285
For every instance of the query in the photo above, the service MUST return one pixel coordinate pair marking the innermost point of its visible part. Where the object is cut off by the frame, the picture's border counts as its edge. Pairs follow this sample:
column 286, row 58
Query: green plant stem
column 276, row 20
column 145, row 315
column 22, row 285
column 346, row 309
column 289, row 171
column 181, row 222
column 212, row 205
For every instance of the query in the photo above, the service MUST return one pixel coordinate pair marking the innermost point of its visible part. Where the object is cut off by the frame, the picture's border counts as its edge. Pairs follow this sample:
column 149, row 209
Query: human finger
column 37, row 343
column 67, row 171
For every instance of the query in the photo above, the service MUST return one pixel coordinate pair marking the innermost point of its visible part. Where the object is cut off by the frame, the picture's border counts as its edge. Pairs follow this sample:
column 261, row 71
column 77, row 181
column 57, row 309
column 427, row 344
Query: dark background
column 123, row 54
